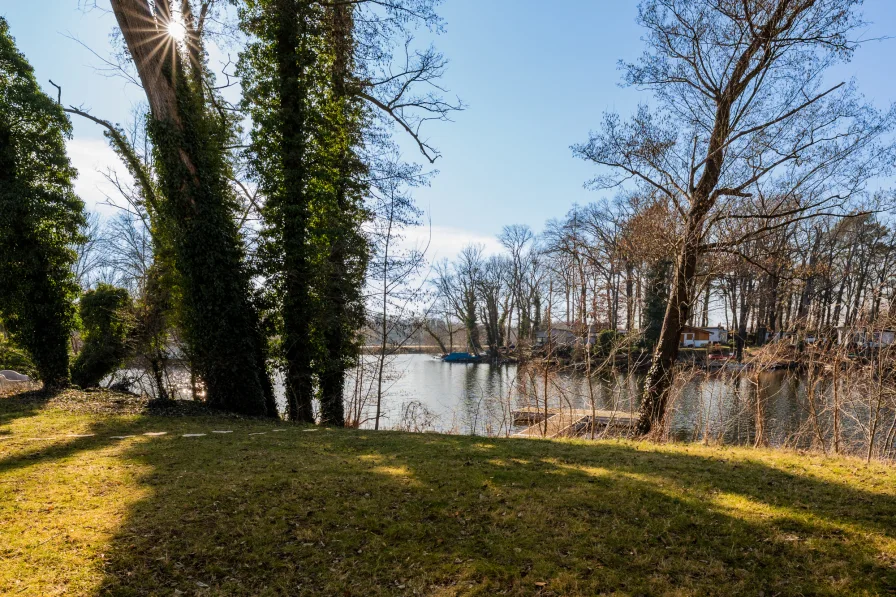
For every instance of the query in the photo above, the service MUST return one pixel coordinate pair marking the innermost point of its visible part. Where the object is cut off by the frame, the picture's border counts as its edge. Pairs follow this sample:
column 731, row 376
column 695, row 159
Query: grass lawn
column 302, row 511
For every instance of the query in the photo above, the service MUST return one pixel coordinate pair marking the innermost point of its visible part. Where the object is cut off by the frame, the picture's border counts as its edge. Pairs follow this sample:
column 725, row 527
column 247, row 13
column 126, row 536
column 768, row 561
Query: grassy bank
column 302, row 511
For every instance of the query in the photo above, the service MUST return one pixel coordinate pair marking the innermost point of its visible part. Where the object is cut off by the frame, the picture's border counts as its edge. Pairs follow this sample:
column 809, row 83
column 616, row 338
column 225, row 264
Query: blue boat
column 461, row 357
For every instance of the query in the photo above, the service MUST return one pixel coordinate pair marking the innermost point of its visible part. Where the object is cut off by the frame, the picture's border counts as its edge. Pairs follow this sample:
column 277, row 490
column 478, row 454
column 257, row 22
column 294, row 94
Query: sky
column 535, row 76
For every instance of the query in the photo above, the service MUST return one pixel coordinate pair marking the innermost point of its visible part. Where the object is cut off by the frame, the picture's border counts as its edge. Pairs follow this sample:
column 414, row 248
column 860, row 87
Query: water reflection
column 768, row 408
column 771, row 408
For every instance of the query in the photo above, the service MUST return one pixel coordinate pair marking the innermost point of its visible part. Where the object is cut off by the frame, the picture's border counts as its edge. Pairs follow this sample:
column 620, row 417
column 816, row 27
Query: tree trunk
column 435, row 337
column 342, row 308
column 221, row 324
column 743, row 318
column 706, row 297
column 629, row 298
column 659, row 377
column 292, row 80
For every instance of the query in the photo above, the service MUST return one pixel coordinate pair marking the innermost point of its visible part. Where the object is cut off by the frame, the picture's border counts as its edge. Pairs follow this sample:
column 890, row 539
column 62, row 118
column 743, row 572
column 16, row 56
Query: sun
column 177, row 31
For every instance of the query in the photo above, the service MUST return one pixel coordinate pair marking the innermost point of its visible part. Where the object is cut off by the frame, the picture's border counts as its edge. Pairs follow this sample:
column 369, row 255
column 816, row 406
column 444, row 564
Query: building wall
column 720, row 336
column 694, row 338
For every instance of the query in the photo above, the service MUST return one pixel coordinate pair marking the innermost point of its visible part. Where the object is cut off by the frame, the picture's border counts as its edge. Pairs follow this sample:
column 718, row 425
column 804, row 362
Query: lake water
column 783, row 408
column 425, row 393
column 474, row 398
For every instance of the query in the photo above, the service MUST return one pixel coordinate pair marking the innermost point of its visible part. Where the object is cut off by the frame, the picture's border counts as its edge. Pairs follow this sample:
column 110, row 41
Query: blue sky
column 535, row 75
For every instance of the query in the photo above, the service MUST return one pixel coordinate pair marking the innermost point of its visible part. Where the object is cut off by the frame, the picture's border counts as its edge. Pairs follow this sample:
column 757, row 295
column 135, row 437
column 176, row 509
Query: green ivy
column 656, row 296
column 307, row 129
column 218, row 317
column 107, row 318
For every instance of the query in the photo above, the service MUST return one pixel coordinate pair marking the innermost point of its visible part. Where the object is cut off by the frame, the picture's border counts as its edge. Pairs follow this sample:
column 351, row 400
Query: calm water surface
column 422, row 393
column 719, row 406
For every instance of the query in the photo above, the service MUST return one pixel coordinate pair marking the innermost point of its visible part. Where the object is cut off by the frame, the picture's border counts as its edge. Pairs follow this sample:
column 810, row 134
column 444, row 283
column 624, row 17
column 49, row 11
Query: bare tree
column 396, row 279
column 459, row 285
column 742, row 116
column 89, row 264
column 525, row 278
column 494, row 300
column 402, row 82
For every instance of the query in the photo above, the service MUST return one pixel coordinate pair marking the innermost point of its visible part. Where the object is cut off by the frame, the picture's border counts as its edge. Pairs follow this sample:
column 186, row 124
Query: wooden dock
column 568, row 422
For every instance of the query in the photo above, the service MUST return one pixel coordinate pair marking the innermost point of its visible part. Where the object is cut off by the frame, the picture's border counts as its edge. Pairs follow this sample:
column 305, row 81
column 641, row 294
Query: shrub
column 107, row 318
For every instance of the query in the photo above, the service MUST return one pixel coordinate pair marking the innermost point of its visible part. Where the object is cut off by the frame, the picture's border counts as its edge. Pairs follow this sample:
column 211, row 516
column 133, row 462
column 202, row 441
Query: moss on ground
column 303, row 511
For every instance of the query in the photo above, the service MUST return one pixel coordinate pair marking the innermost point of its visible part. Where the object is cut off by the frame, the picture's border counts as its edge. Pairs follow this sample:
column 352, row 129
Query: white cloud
column 446, row 243
column 92, row 157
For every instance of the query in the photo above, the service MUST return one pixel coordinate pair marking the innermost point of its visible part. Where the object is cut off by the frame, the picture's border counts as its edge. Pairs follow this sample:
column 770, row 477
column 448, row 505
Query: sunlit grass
column 337, row 512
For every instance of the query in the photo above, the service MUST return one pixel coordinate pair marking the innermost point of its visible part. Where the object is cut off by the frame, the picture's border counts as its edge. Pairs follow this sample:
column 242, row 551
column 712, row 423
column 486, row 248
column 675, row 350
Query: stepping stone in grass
column 156, row 433
column 309, row 429
column 278, row 430
column 259, row 433
column 122, row 436
column 76, row 435
column 222, row 431
column 193, row 435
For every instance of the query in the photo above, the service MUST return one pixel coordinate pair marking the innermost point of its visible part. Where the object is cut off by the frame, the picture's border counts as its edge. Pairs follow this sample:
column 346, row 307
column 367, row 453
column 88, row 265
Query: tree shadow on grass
column 359, row 513
column 15, row 404
column 53, row 440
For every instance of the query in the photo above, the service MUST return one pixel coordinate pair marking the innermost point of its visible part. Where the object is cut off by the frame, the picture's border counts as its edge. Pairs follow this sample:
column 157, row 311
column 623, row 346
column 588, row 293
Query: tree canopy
column 41, row 217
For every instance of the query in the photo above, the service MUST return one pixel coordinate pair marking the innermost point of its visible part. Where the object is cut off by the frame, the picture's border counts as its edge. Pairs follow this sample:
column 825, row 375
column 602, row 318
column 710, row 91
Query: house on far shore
column 881, row 338
column 560, row 336
column 594, row 331
column 692, row 337
column 848, row 335
column 717, row 335
column 865, row 338
column 793, row 338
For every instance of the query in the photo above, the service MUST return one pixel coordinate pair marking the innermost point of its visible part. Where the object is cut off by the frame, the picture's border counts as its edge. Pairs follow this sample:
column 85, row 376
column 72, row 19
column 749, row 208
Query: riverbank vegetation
column 253, row 511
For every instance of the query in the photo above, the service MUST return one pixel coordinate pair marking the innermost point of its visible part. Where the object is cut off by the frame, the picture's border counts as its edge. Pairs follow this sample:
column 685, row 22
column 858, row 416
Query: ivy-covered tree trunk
column 678, row 309
column 220, row 321
column 657, row 296
column 470, row 323
column 41, row 218
column 294, row 61
column 346, row 254
column 281, row 73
